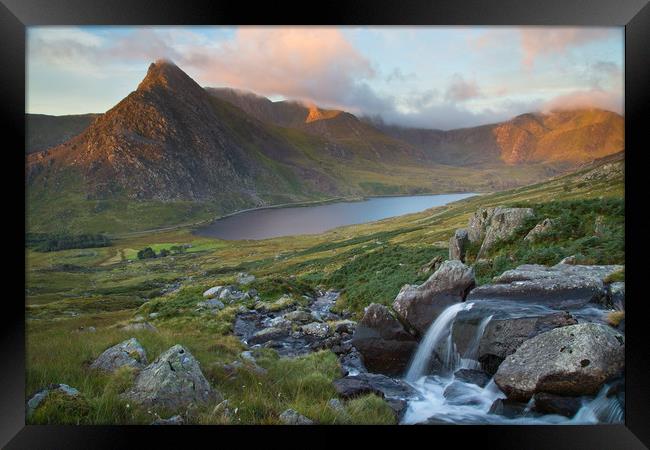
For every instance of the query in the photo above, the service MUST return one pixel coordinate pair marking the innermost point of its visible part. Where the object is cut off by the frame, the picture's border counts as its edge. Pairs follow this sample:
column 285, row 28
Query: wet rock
column 173, row 381
column 351, row 363
column 508, row 408
column 539, row 230
column 503, row 224
column 316, row 330
column 213, row 292
column 617, row 295
column 546, row 403
column 477, row 377
column 385, row 346
column 268, row 334
column 420, row 305
column 128, row 353
column 367, row 383
column 457, row 394
column 293, row 417
column 458, row 245
column 573, row 360
column 38, row 398
column 174, row 420
column 399, row 407
column 562, row 286
column 345, row 326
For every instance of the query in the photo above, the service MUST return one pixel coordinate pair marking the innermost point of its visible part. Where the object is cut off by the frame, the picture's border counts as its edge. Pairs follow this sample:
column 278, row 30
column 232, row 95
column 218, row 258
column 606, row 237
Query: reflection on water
column 275, row 222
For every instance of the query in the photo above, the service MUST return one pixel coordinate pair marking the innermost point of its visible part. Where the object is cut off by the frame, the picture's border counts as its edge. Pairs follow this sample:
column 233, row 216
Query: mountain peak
column 164, row 73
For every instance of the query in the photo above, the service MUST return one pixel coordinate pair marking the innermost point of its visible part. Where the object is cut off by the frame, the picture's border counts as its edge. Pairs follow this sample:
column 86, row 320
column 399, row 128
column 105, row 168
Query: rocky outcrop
column 478, row 224
column 38, row 398
column 419, row 306
column 573, row 360
column 562, row 286
column 173, row 381
column 540, row 229
column 458, row 245
column 385, row 346
column 128, row 353
column 503, row 224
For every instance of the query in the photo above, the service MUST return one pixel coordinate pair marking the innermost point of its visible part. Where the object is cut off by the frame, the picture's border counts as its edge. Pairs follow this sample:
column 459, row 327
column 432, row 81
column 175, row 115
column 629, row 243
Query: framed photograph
column 377, row 214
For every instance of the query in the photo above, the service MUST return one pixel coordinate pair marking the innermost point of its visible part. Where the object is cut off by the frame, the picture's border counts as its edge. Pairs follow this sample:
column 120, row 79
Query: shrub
column 146, row 253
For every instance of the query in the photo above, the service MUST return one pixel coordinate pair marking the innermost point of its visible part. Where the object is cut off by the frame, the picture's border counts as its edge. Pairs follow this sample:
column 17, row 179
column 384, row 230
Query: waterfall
column 469, row 360
column 600, row 410
column 440, row 329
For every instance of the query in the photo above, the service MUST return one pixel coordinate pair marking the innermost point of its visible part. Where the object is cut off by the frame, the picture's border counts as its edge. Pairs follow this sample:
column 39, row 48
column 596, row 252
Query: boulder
column 373, row 383
column 173, row 381
column 473, row 376
column 128, row 353
column 546, row 403
column 503, row 224
column 458, row 245
column 293, row 417
column 563, row 286
column 456, row 393
column 213, row 292
column 419, row 306
column 508, row 408
column 572, row 360
column 211, row 304
column 345, row 326
column 539, row 230
column 38, row 398
column 267, row 334
column 385, row 346
column 140, row 326
column 478, row 224
column 299, row 316
column 316, row 330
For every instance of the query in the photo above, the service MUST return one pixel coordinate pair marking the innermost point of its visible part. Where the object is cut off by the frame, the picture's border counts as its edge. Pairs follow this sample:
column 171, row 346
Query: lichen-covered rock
column 293, row 417
column 245, row 278
column 316, row 330
column 385, row 346
column 503, row 223
column 573, row 360
column 213, row 292
column 128, row 353
column 419, row 306
column 458, row 245
column 173, row 381
column 478, row 224
column 299, row 316
column 268, row 334
column 211, row 304
column 38, row 398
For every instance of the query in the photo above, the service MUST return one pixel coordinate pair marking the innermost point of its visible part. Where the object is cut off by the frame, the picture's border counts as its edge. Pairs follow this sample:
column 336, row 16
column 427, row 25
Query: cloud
column 589, row 98
column 546, row 41
column 460, row 90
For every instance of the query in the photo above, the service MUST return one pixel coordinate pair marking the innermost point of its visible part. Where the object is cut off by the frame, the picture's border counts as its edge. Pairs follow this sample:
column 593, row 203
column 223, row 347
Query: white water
column 438, row 330
column 467, row 403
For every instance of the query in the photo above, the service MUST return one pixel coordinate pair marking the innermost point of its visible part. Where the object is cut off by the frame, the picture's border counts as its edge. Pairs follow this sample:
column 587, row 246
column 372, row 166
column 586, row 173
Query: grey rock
column 268, row 334
column 419, row 306
column 398, row 405
column 140, row 326
column 245, row 278
column 316, row 329
column 299, row 316
column 345, row 326
column 173, row 381
column 562, row 286
column 458, row 245
column 617, row 295
column 213, row 292
column 546, row 403
column 211, row 304
column 477, row 377
column 539, row 230
column 38, row 398
column 457, row 394
column 432, row 265
column 128, row 353
column 503, row 223
column 572, row 360
column 478, row 224
column 174, row 420
column 366, row 383
column 336, row 405
column 293, row 417
column 385, row 346
column 508, row 408
column 573, row 259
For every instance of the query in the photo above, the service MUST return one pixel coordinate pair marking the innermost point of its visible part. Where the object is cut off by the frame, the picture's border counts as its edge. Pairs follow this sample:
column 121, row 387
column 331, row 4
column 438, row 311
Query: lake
column 291, row 221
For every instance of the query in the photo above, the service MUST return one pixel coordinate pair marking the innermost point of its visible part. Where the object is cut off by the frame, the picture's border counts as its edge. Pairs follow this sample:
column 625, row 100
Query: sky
column 427, row 77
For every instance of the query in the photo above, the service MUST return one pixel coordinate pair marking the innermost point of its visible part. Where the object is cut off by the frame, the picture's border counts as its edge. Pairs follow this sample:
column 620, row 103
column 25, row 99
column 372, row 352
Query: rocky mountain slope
column 45, row 131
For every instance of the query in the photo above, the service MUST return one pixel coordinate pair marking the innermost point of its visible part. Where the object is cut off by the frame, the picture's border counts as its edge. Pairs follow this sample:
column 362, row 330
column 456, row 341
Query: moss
column 60, row 408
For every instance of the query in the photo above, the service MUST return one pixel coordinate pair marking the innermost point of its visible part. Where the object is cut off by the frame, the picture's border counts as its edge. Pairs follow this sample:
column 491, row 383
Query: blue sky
column 433, row 77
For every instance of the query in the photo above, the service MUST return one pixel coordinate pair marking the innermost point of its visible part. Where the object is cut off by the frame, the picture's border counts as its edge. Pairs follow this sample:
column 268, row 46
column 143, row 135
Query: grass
column 106, row 287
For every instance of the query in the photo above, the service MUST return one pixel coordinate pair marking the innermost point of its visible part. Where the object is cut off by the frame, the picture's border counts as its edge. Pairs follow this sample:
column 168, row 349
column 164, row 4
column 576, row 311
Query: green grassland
column 108, row 286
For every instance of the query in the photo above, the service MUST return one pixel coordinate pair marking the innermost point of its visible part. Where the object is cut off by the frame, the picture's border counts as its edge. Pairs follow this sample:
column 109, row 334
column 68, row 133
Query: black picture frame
column 634, row 15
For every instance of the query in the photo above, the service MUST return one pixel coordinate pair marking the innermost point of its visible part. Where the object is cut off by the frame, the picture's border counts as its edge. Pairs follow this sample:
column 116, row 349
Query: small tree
column 164, row 252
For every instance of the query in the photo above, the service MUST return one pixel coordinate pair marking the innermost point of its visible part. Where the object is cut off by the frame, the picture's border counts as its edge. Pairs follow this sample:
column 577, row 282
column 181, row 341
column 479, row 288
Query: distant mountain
column 44, row 131
column 172, row 152
column 569, row 137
